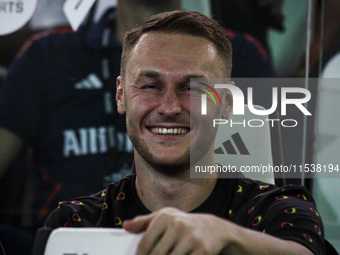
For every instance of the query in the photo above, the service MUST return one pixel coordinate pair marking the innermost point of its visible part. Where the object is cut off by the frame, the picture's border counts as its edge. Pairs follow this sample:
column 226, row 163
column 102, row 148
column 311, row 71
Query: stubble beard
column 172, row 167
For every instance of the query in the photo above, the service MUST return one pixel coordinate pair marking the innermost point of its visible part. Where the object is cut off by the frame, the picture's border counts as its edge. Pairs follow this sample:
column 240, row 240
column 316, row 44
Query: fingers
column 154, row 233
column 138, row 224
column 182, row 247
column 171, row 231
column 166, row 242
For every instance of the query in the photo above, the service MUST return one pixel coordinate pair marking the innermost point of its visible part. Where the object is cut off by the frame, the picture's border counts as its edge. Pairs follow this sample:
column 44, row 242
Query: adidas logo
column 90, row 82
column 229, row 147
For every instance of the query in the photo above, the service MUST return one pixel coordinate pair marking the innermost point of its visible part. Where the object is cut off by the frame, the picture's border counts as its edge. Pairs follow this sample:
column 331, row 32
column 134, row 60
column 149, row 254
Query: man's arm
column 10, row 146
column 171, row 231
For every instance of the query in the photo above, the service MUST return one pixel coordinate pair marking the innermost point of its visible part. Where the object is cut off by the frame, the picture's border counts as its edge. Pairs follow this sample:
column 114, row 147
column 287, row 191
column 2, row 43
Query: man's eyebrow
column 186, row 79
column 147, row 74
column 157, row 75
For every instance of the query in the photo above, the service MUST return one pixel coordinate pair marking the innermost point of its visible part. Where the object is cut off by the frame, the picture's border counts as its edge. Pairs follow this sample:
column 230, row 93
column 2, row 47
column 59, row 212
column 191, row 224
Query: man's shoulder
column 250, row 58
column 255, row 189
column 251, row 194
column 244, row 41
column 87, row 211
column 99, row 198
column 246, row 192
column 50, row 40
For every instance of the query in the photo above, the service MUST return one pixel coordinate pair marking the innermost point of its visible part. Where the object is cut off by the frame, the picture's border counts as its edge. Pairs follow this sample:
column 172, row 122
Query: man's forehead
column 184, row 77
column 173, row 52
column 174, row 40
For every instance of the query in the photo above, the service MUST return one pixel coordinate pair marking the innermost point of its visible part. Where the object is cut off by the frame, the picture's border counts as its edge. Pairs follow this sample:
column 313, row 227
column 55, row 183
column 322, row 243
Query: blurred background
column 271, row 39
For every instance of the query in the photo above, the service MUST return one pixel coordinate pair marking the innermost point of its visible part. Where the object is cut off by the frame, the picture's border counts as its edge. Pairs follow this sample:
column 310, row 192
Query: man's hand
column 171, row 231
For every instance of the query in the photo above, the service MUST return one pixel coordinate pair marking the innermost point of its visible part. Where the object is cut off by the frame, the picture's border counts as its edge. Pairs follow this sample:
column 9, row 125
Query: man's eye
column 150, row 86
column 194, row 90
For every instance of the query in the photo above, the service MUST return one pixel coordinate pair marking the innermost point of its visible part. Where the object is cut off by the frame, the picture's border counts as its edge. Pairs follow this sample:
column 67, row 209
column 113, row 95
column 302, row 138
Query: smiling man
column 179, row 214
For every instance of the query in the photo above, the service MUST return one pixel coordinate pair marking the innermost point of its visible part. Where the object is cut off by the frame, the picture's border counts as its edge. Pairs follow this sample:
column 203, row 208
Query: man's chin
column 172, row 169
column 170, row 166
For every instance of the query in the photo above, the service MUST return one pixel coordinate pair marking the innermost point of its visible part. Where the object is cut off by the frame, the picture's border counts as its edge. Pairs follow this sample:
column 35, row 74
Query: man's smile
column 169, row 131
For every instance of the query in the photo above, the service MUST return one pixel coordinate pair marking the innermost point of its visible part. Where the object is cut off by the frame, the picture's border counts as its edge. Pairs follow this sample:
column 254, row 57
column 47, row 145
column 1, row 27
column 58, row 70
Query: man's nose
column 170, row 104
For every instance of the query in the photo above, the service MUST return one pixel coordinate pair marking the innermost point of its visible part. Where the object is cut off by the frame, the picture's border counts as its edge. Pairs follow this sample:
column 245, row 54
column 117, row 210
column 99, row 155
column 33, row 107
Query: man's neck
column 156, row 189
column 129, row 13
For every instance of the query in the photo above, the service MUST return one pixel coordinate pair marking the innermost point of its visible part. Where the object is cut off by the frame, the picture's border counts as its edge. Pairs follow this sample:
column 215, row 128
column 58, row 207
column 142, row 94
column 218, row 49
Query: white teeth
column 170, row 131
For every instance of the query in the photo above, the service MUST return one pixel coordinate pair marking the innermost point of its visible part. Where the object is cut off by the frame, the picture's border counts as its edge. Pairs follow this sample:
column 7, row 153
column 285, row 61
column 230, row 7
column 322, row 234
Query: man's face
column 155, row 95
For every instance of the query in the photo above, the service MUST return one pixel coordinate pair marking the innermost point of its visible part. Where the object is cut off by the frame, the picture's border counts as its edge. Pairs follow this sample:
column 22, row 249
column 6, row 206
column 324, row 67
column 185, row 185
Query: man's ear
column 227, row 102
column 120, row 97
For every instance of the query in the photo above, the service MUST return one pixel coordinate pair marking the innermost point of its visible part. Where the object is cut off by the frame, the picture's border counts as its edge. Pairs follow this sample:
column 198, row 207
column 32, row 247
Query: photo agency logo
column 204, row 97
column 239, row 104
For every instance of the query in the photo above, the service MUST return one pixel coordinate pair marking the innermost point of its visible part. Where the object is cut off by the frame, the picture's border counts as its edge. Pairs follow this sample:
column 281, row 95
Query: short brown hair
column 185, row 22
